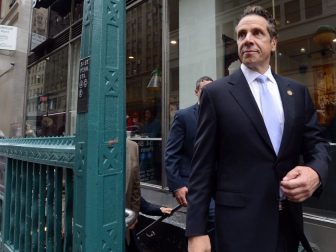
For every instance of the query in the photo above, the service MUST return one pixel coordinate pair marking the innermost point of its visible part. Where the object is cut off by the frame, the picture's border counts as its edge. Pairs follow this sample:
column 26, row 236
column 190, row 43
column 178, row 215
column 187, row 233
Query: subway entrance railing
column 36, row 194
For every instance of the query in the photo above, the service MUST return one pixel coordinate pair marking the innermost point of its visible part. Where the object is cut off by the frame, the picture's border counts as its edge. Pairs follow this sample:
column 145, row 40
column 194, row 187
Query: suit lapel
column 287, row 97
column 244, row 97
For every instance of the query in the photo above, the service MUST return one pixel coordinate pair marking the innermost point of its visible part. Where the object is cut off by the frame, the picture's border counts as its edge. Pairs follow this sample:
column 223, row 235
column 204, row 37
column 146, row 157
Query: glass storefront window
column 292, row 12
column 46, row 103
column 52, row 84
column 144, row 85
column 73, row 90
column 39, row 31
column 313, row 8
column 77, row 13
column 59, row 17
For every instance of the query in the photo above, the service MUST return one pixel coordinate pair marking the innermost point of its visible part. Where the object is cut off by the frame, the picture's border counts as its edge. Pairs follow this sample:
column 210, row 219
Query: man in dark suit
column 180, row 145
column 250, row 158
column 179, row 149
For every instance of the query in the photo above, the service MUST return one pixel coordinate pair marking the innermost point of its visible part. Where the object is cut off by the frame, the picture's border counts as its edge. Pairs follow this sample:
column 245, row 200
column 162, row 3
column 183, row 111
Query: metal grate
column 76, row 30
column 60, row 40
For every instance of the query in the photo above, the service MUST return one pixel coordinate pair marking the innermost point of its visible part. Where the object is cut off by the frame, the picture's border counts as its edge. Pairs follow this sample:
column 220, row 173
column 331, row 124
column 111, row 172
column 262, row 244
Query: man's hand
column 199, row 244
column 181, row 196
column 166, row 210
column 300, row 183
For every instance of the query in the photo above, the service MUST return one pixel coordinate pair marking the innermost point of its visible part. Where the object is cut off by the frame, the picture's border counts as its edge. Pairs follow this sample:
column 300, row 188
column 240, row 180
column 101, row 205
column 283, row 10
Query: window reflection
column 292, row 12
column 326, row 204
column 149, row 160
column 72, row 110
column 59, row 18
column 311, row 60
column 39, row 31
column 77, row 10
column 313, row 8
column 46, row 103
column 144, row 85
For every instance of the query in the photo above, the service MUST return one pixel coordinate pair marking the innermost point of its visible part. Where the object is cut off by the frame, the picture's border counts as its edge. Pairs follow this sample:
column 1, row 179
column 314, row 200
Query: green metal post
column 100, row 135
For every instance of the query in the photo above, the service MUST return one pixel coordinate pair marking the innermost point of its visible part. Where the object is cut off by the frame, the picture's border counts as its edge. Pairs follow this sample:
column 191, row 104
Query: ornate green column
column 100, row 135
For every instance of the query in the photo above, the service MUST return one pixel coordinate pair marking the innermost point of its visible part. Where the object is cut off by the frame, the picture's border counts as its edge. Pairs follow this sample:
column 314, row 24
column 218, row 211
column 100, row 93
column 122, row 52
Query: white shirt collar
column 251, row 75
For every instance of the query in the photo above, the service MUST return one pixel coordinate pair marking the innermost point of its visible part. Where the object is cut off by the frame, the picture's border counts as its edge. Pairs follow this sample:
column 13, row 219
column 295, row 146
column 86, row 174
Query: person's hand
column 199, row 244
column 181, row 196
column 133, row 224
column 300, row 183
column 166, row 210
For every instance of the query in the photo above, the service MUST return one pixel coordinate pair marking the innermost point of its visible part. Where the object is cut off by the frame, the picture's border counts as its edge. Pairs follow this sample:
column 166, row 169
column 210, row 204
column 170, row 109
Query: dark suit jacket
column 149, row 208
column 179, row 148
column 231, row 136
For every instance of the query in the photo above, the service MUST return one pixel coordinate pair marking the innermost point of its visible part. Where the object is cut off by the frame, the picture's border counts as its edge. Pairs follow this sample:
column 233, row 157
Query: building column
column 100, row 135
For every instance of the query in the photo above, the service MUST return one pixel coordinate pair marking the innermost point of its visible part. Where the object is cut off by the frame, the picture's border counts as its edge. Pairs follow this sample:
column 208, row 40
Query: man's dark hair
column 203, row 78
column 260, row 11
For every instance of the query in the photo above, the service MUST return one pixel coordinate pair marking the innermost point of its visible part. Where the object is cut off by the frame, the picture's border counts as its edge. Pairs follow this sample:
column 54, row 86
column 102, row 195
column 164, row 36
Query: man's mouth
column 249, row 51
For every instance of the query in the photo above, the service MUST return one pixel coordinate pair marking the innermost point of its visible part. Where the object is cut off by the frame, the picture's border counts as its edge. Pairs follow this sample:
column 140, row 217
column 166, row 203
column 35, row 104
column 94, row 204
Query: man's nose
column 248, row 38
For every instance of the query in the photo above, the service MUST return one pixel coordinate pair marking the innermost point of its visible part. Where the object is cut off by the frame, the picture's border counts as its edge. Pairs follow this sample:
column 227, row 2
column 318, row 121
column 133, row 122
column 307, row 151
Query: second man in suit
column 179, row 150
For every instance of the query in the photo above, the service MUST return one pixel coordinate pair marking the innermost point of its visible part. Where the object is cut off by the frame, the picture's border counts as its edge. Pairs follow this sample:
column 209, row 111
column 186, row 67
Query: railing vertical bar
column 28, row 224
column 12, row 196
column 58, row 209
column 50, row 209
column 23, row 169
column 68, row 210
column 17, row 204
column 37, row 206
column 2, row 211
column 35, row 210
column 9, row 202
column 42, row 210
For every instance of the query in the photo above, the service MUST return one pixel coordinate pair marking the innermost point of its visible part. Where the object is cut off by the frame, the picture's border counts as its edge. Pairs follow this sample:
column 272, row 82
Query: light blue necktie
column 270, row 113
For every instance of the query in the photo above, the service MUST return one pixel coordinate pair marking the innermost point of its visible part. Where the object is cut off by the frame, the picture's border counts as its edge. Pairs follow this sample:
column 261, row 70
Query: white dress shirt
column 274, row 90
column 272, row 86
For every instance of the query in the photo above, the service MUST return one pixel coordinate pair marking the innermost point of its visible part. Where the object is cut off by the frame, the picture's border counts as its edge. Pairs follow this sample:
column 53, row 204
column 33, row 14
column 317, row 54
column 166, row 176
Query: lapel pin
column 290, row 92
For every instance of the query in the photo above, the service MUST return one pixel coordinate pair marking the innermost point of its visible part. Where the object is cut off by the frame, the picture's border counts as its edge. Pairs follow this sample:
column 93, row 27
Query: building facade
column 13, row 65
column 169, row 45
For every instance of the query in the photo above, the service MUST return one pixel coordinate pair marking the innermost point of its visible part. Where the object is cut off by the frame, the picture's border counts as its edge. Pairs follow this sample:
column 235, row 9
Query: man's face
column 201, row 85
column 148, row 115
column 254, row 43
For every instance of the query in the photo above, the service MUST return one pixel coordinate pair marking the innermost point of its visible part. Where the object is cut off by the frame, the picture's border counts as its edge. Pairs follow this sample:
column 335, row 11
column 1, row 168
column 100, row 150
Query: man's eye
column 241, row 35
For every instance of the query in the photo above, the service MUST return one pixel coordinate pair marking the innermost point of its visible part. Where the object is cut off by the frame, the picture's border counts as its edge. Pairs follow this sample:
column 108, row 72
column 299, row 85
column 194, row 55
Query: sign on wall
column 83, row 85
column 8, row 36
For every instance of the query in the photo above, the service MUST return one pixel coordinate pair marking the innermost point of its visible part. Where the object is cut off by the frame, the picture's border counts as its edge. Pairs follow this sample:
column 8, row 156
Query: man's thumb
column 291, row 175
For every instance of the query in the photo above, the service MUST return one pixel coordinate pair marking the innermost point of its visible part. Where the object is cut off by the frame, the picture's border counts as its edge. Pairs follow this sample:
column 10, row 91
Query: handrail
column 57, row 151
column 154, row 223
column 130, row 217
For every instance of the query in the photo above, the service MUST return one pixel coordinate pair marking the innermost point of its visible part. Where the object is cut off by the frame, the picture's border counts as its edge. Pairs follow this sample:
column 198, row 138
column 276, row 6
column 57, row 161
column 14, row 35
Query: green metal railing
column 37, row 212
